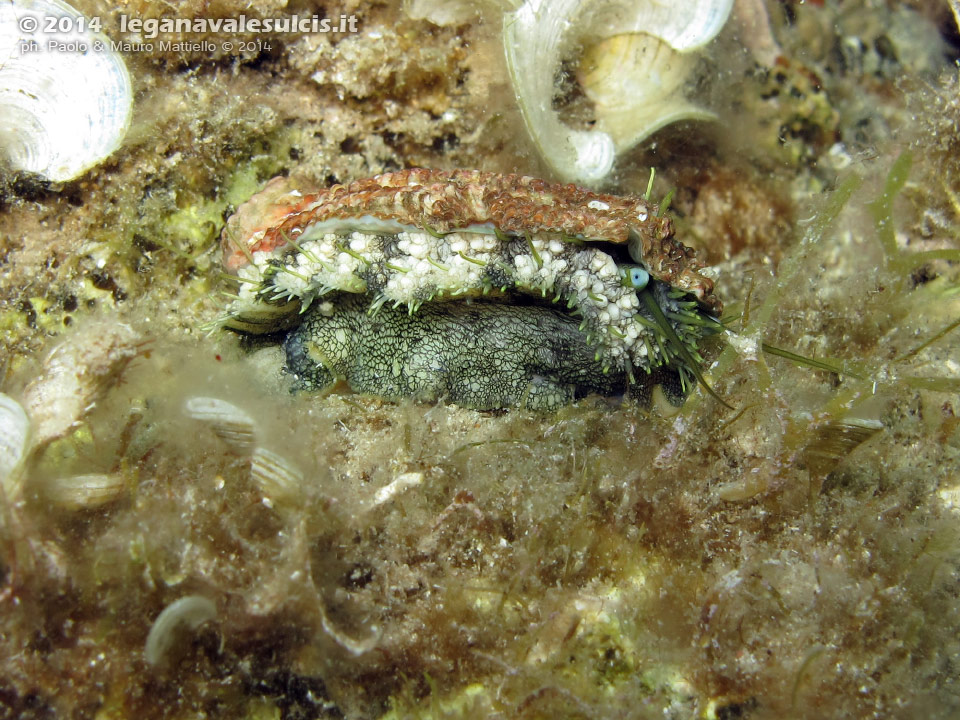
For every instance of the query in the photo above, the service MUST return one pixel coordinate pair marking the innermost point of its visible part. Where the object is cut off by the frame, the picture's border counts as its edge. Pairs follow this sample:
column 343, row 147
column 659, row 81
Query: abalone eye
column 639, row 278
column 634, row 276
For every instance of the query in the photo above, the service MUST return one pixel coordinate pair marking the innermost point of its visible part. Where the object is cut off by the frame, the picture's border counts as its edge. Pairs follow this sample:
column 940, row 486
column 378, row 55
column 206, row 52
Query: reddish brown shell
column 442, row 201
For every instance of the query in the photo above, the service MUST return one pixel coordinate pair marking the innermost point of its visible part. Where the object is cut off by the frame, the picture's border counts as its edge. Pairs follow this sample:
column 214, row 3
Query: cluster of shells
column 57, row 402
column 77, row 376
column 278, row 479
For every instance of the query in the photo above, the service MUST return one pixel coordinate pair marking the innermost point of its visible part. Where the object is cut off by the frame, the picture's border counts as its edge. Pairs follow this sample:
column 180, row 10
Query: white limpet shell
column 63, row 109
column 14, row 444
column 178, row 620
column 75, row 375
column 85, row 492
column 278, row 478
column 233, row 425
column 643, row 76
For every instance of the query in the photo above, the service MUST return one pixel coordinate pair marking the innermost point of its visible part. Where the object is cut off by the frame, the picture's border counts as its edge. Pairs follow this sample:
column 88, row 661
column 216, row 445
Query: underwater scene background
column 183, row 535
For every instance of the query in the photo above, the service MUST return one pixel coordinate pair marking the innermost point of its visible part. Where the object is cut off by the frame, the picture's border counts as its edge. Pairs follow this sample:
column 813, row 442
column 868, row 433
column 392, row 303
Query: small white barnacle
column 597, row 205
column 642, row 216
column 326, row 308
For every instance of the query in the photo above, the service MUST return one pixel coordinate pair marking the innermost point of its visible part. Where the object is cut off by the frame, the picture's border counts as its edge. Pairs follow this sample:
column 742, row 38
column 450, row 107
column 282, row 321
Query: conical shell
column 278, row 478
column 65, row 97
column 235, row 426
column 85, row 492
column 14, row 443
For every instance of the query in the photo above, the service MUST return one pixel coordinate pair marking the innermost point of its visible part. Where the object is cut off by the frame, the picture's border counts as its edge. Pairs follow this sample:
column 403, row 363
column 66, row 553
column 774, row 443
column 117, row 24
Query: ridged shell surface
column 65, row 97
column 14, row 443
